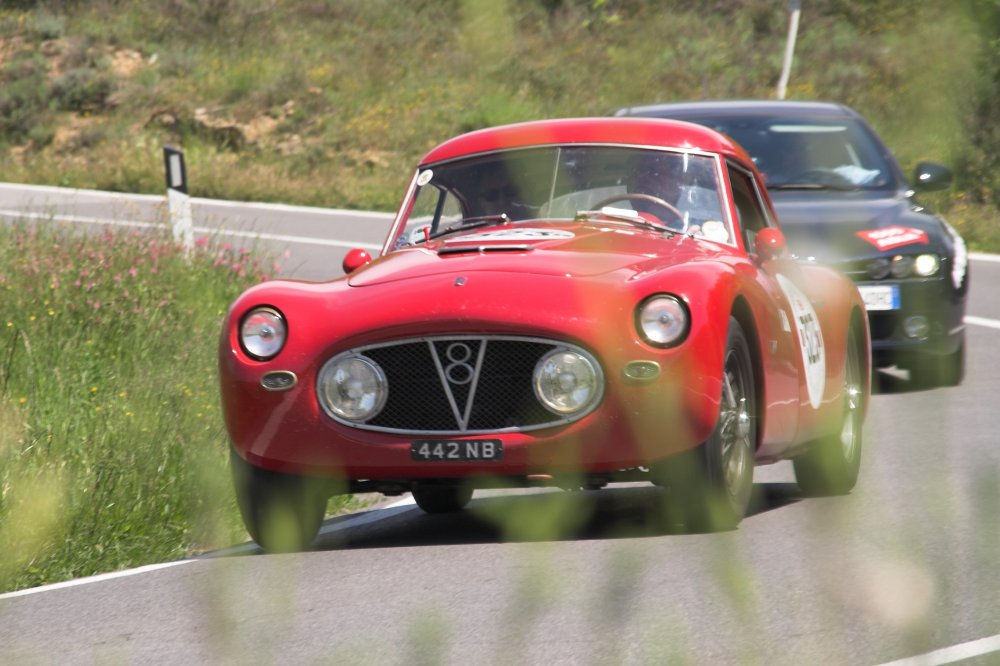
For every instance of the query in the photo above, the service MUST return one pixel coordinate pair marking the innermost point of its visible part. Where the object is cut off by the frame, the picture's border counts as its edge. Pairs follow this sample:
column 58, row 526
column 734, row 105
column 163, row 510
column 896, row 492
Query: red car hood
column 565, row 249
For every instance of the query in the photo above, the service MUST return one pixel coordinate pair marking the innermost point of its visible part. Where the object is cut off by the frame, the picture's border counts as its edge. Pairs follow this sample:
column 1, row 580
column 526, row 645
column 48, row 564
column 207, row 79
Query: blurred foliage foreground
column 112, row 450
column 331, row 102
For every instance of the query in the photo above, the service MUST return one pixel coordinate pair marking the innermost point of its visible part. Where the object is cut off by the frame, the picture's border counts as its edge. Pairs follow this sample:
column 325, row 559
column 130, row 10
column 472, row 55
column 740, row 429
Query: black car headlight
column 926, row 265
column 263, row 333
column 878, row 269
column 902, row 266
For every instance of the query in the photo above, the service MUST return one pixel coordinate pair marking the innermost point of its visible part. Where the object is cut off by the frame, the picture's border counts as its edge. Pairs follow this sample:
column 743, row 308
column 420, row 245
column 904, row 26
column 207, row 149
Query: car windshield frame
column 567, row 182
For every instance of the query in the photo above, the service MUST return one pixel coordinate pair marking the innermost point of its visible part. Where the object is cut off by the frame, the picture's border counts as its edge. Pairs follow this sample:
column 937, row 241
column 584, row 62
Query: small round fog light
column 916, row 327
column 662, row 320
column 263, row 333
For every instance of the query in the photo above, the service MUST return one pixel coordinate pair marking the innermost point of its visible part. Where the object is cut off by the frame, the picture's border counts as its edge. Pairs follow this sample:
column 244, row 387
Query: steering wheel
column 644, row 197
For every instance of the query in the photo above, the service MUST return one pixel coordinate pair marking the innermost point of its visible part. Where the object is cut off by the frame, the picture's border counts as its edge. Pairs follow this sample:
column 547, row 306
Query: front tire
column 442, row 497
column 282, row 512
column 708, row 488
column 831, row 465
column 952, row 367
column 931, row 371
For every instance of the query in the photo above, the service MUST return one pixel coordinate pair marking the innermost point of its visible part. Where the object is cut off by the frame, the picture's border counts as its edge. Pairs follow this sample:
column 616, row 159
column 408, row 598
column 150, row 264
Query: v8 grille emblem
column 459, row 363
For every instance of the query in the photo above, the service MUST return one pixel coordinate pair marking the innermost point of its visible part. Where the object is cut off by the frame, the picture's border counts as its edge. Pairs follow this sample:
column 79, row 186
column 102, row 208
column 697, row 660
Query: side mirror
column 770, row 244
column 930, row 176
column 355, row 259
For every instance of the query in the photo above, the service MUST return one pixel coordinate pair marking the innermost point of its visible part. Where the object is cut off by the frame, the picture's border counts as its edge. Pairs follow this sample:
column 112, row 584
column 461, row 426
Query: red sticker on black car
column 890, row 237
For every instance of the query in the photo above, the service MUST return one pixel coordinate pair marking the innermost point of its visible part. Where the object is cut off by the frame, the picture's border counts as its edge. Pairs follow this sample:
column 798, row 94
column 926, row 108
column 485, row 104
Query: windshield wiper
column 471, row 223
column 624, row 216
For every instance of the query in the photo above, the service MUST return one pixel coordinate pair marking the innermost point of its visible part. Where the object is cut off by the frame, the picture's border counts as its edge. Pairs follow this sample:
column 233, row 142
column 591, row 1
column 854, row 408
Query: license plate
column 880, row 297
column 456, row 450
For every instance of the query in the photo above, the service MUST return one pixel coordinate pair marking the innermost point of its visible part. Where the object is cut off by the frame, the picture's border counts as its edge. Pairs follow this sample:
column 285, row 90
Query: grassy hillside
column 330, row 102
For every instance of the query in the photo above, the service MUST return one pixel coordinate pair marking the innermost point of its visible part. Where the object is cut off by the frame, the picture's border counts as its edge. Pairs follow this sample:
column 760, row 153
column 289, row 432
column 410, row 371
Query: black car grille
column 448, row 394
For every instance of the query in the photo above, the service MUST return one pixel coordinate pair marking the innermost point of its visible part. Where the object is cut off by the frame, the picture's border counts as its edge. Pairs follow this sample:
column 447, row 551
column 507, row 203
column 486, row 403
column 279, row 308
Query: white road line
column 93, row 579
column 363, row 518
column 982, row 256
column 65, row 192
column 223, row 203
column 23, row 215
column 951, row 654
column 205, row 231
column 72, row 191
column 982, row 321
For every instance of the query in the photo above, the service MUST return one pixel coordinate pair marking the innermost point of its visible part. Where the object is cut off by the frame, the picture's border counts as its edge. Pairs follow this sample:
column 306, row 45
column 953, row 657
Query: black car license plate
column 456, row 450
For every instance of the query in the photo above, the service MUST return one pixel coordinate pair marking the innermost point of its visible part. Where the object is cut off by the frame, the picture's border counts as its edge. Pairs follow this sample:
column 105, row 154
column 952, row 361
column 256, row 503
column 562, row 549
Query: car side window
column 749, row 207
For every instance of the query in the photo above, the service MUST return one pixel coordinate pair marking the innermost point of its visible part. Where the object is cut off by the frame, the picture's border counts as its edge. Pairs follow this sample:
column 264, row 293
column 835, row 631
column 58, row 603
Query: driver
column 494, row 192
column 497, row 189
column 679, row 181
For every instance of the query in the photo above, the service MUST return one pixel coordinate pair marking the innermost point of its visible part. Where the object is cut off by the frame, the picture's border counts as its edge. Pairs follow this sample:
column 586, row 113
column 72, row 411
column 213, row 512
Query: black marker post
column 178, row 201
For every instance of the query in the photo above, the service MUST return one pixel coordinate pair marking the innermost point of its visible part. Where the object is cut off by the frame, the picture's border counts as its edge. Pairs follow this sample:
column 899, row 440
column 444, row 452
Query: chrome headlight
column 926, row 265
column 352, row 387
column 662, row 320
column 567, row 381
column 263, row 333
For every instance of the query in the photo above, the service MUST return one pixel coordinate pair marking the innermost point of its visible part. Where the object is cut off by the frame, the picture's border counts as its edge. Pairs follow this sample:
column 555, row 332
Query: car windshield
column 808, row 152
column 678, row 190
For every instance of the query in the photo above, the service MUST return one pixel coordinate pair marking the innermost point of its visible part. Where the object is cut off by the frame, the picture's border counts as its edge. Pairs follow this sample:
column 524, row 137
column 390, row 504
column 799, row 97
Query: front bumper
column 931, row 301
column 635, row 424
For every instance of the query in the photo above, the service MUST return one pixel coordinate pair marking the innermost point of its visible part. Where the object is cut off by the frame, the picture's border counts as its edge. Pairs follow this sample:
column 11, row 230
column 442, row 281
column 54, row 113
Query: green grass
column 112, row 446
column 113, row 451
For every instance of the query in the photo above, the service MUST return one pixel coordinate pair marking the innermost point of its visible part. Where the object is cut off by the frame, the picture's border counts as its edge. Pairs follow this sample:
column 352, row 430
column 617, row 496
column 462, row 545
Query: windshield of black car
column 557, row 182
column 809, row 153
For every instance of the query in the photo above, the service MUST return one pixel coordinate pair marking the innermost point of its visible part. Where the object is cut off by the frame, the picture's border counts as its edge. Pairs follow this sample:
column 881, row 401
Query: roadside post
column 178, row 200
column 794, row 11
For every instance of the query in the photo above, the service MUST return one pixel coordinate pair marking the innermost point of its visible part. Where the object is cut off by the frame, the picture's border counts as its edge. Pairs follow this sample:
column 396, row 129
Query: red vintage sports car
column 568, row 302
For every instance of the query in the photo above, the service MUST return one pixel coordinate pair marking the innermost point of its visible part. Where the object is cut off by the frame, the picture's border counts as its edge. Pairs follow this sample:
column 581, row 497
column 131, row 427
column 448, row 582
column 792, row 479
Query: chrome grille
column 462, row 385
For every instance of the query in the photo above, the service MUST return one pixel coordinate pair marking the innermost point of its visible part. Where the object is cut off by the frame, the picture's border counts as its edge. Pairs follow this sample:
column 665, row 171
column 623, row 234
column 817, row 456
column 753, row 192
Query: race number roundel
column 810, row 339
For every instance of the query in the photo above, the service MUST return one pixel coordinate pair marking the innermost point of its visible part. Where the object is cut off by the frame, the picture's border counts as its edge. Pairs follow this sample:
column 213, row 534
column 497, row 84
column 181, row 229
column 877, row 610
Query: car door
column 790, row 336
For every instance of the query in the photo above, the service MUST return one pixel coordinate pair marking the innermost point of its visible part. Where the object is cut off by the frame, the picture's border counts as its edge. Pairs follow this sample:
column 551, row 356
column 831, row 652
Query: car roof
column 651, row 132
column 741, row 107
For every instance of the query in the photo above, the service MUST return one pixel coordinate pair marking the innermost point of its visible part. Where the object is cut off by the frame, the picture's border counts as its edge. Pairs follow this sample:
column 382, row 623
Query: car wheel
column 282, row 512
column 830, row 465
column 924, row 369
column 442, row 497
column 709, row 488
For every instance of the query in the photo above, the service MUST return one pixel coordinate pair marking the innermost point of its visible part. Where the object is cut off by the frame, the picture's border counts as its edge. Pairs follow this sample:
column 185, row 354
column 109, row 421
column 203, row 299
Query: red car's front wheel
column 708, row 489
column 282, row 512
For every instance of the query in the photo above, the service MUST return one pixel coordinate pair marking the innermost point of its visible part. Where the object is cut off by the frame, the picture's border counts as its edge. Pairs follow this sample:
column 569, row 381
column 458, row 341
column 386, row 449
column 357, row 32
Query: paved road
column 906, row 565
column 309, row 242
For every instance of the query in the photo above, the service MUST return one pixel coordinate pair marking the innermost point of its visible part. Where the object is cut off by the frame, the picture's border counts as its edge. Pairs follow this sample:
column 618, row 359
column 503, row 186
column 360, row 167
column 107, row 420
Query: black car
column 843, row 200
